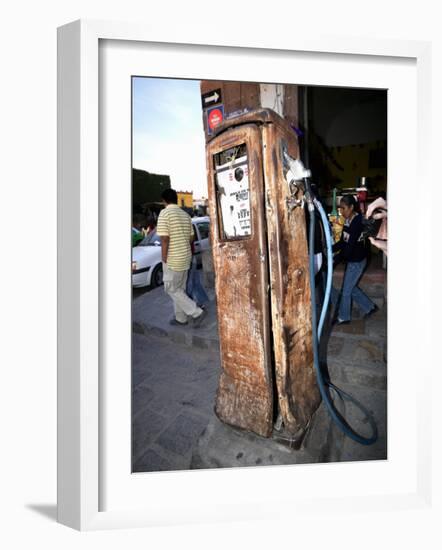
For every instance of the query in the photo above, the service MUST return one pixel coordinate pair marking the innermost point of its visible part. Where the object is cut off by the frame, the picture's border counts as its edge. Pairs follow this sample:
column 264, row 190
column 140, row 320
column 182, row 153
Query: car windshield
column 151, row 240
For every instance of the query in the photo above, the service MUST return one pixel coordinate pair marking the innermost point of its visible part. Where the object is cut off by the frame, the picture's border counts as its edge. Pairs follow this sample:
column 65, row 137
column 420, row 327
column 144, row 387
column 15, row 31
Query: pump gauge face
column 239, row 174
column 233, row 177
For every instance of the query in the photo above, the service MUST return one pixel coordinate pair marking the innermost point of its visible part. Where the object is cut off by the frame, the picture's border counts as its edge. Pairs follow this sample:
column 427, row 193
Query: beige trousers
column 175, row 287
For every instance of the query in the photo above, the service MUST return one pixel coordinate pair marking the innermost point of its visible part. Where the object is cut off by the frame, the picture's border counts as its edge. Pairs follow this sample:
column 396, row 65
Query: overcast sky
column 168, row 134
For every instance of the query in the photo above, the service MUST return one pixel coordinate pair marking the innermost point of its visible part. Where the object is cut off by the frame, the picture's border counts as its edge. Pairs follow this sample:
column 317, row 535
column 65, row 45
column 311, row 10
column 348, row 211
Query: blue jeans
column 194, row 288
column 350, row 291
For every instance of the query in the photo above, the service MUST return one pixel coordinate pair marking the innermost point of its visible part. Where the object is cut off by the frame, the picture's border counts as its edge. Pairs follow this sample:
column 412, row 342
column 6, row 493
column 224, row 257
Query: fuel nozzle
column 297, row 176
column 296, row 172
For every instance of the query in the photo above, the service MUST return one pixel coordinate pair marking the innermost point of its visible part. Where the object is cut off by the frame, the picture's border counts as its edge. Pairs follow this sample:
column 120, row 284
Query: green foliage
column 147, row 188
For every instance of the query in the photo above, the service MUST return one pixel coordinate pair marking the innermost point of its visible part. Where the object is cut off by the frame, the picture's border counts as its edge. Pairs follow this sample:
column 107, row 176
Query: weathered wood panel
column 298, row 394
column 250, row 95
column 231, row 96
column 245, row 393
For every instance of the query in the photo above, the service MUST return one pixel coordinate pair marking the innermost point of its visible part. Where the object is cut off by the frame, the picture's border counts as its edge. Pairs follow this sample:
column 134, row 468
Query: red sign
column 215, row 116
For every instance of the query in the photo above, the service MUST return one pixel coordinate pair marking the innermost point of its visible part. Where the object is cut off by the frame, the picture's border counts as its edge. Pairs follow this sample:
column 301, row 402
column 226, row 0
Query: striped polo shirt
column 176, row 224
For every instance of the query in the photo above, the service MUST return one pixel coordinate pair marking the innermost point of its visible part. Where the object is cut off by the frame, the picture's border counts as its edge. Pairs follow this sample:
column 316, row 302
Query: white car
column 147, row 268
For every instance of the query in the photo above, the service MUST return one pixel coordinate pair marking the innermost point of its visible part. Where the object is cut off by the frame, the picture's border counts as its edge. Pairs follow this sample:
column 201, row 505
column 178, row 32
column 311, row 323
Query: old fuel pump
column 261, row 263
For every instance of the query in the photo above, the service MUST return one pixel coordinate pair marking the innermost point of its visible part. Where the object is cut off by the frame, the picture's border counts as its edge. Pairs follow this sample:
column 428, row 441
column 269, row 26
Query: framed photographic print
column 223, row 275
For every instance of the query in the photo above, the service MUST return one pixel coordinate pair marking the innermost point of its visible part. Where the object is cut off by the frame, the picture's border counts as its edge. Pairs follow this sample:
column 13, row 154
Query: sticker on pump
column 234, row 197
column 215, row 116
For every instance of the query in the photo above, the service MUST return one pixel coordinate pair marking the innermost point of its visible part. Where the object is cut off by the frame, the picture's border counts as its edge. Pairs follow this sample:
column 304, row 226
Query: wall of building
column 185, row 198
column 355, row 161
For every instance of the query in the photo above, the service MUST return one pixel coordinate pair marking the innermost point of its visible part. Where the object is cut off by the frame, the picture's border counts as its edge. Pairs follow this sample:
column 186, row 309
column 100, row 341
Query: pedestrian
column 352, row 250
column 194, row 288
column 174, row 227
column 151, row 226
column 378, row 211
column 138, row 224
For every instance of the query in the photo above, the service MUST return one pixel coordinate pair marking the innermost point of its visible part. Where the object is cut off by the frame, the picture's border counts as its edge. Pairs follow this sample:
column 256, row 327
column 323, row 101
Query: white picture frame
column 80, row 444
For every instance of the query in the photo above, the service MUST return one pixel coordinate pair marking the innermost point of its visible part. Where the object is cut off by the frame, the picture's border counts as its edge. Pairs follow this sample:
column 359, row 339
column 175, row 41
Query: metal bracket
column 294, row 185
column 292, row 201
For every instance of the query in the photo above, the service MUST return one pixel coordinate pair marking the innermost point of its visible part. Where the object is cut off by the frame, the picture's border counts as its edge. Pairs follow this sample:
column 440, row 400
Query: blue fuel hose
column 325, row 385
column 328, row 284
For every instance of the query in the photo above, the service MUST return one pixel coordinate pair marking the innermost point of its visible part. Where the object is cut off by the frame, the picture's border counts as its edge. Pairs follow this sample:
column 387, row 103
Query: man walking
column 174, row 227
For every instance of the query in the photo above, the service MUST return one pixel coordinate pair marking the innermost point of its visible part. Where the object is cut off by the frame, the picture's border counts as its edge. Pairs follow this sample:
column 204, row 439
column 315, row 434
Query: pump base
column 293, row 441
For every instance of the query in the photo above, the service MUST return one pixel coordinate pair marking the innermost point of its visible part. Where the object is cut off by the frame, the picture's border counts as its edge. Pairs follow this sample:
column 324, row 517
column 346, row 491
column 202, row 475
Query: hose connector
column 297, row 171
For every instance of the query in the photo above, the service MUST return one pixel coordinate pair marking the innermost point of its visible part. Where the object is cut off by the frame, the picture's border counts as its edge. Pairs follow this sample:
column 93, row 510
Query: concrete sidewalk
column 152, row 312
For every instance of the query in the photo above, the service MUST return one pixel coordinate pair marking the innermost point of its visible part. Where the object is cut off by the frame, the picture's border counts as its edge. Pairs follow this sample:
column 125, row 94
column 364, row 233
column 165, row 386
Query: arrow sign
column 211, row 98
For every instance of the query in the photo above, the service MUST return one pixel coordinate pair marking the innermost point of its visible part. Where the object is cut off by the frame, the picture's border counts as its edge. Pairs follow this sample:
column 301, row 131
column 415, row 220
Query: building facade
column 185, row 199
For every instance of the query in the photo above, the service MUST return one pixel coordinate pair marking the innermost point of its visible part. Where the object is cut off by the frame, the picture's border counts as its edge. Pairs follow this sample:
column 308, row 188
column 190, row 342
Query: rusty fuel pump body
column 260, row 256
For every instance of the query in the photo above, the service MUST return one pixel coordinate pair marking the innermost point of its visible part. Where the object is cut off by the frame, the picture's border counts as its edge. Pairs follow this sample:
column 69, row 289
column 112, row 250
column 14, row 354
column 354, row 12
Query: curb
column 183, row 338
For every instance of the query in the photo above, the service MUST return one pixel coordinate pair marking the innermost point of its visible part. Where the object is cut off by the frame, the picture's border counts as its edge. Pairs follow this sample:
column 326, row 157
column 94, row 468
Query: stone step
column 369, row 375
column 323, row 437
column 202, row 339
column 371, row 276
column 222, row 446
column 356, row 313
column 376, row 404
column 326, row 440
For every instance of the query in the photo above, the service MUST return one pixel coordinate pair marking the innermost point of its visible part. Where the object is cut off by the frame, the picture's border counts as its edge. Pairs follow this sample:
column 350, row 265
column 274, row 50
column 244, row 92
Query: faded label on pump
column 234, row 198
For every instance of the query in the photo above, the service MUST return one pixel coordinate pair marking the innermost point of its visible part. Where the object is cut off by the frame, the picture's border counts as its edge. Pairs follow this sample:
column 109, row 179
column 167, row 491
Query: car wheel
column 157, row 276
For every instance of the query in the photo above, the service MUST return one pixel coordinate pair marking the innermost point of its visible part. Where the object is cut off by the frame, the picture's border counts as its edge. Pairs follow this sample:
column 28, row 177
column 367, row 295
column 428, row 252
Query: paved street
column 175, row 376
column 174, row 389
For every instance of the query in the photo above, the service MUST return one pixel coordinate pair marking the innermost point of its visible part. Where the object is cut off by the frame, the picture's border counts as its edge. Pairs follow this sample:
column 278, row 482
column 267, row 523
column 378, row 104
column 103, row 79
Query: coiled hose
column 323, row 384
